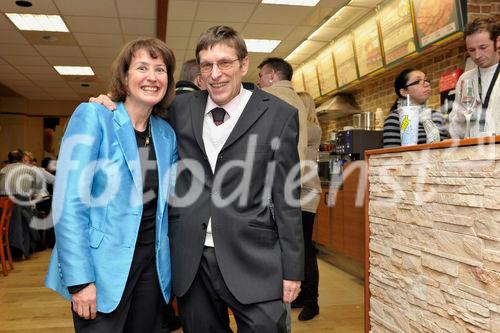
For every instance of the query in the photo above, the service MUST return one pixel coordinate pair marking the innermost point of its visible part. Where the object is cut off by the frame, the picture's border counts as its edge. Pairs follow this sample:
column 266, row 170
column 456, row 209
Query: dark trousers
column 140, row 307
column 204, row 308
column 309, row 287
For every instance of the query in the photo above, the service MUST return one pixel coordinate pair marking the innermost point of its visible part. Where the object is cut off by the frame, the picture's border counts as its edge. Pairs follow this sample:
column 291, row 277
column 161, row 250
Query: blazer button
column 204, row 226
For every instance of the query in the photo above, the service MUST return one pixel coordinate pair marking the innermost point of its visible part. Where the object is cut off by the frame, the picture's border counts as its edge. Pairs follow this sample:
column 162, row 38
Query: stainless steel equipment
column 367, row 121
column 356, row 120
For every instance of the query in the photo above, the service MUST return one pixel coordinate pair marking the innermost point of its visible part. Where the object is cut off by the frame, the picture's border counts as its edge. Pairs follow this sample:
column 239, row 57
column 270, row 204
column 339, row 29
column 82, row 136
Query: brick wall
column 480, row 8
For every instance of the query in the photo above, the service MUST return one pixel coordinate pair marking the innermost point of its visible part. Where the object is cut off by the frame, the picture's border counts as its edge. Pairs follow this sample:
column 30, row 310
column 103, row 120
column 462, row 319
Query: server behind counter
column 415, row 84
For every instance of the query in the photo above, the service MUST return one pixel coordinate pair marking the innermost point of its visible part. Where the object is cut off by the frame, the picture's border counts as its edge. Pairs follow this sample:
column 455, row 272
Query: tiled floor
column 27, row 306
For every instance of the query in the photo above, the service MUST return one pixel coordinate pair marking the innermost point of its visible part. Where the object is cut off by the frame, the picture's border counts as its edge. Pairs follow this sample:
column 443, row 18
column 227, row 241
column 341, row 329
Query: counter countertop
column 448, row 143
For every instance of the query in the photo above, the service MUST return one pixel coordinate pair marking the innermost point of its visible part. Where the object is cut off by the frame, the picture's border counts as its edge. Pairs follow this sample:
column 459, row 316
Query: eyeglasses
column 420, row 82
column 222, row 65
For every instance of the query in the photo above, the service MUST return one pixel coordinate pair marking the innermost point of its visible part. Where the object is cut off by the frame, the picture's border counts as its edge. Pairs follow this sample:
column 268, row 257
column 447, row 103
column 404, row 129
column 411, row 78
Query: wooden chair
column 6, row 205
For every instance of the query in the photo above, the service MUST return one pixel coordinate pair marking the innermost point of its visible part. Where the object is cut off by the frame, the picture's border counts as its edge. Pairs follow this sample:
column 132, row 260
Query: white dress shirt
column 214, row 137
column 492, row 124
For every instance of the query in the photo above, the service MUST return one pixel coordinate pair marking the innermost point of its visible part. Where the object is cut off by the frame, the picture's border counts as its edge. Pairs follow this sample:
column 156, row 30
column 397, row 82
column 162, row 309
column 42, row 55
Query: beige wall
column 52, row 108
column 33, row 136
column 21, row 123
column 12, row 133
column 13, row 105
column 26, row 132
column 37, row 108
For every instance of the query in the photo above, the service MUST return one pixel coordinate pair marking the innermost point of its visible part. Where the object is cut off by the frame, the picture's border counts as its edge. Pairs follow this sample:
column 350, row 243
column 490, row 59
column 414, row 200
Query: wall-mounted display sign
column 326, row 71
column 345, row 62
column 311, row 79
column 435, row 20
column 397, row 30
column 297, row 80
column 367, row 43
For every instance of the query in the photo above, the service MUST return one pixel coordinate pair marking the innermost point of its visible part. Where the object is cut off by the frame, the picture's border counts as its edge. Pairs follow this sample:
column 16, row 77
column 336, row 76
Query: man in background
column 189, row 78
column 20, row 180
column 482, row 40
column 275, row 77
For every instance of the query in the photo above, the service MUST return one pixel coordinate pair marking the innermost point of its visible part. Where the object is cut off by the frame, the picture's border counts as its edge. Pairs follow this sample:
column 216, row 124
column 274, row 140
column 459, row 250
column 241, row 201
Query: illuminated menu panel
column 311, row 79
column 435, row 20
column 297, row 80
column 397, row 30
column 326, row 71
column 345, row 63
column 367, row 43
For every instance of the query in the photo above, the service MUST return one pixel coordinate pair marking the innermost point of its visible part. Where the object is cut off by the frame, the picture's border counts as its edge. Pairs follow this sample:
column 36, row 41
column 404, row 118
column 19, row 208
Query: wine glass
column 469, row 101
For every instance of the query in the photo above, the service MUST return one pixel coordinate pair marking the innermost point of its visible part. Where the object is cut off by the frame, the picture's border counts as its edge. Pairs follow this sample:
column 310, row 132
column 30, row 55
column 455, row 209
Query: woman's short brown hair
column 156, row 48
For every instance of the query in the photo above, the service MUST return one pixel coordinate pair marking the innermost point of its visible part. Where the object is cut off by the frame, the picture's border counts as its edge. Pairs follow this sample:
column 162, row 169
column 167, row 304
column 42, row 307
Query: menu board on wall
column 326, row 71
column 345, row 63
column 297, row 80
column 367, row 43
column 397, row 30
column 311, row 79
column 435, row 20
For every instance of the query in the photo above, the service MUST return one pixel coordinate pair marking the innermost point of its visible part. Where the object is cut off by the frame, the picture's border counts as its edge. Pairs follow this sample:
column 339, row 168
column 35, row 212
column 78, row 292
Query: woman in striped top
column 414, row 83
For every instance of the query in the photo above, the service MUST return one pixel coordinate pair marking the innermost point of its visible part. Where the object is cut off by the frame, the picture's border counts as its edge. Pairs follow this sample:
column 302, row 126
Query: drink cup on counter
column 408, row 120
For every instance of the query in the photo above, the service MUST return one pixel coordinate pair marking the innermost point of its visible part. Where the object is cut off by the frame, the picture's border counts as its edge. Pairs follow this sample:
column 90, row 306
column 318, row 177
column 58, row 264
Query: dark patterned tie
column 218, row 115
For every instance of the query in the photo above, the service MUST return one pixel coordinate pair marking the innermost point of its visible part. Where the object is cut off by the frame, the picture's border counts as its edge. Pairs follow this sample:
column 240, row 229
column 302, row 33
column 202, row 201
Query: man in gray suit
column 235, row 222
column 238, row 243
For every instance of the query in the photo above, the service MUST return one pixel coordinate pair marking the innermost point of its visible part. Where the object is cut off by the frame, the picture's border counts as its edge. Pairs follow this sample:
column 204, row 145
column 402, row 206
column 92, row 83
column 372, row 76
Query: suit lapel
column 128, row 144
column 255, row 107
column 197, row 110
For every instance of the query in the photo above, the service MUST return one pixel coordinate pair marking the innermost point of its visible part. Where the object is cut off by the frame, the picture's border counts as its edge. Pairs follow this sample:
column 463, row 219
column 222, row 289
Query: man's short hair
column 284, row 69
column 221, row 34
column 189, row 71
column 16, row 156
column 483, row 24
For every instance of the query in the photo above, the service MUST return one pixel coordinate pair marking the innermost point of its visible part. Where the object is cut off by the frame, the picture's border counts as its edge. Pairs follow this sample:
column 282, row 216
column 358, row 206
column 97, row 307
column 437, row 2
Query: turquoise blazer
column 97, row 203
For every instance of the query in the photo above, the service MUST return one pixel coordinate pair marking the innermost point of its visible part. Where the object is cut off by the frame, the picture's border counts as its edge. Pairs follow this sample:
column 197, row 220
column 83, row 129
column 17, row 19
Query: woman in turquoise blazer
column 114, row 176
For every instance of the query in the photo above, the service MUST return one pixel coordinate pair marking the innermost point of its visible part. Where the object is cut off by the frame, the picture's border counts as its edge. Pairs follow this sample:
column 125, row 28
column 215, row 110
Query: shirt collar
column 229, row 107
column 488, row 69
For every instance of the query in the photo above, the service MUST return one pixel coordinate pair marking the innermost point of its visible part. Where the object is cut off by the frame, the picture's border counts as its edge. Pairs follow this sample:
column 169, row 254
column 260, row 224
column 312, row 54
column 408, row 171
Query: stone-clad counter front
column 433, row 237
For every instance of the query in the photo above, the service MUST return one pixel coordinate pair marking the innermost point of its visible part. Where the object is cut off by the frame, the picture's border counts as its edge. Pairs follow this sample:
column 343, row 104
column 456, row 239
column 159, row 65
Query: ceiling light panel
column 308, row 3
column 74, row 70
column 261, row 45
column 38, row 22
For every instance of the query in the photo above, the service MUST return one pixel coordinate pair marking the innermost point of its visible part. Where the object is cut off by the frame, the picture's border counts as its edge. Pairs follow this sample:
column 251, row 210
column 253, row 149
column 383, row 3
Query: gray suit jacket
column 256, row 248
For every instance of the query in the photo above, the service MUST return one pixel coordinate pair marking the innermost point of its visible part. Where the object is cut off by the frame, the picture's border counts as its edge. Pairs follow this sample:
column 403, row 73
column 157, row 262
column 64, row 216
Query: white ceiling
column 99, row 28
